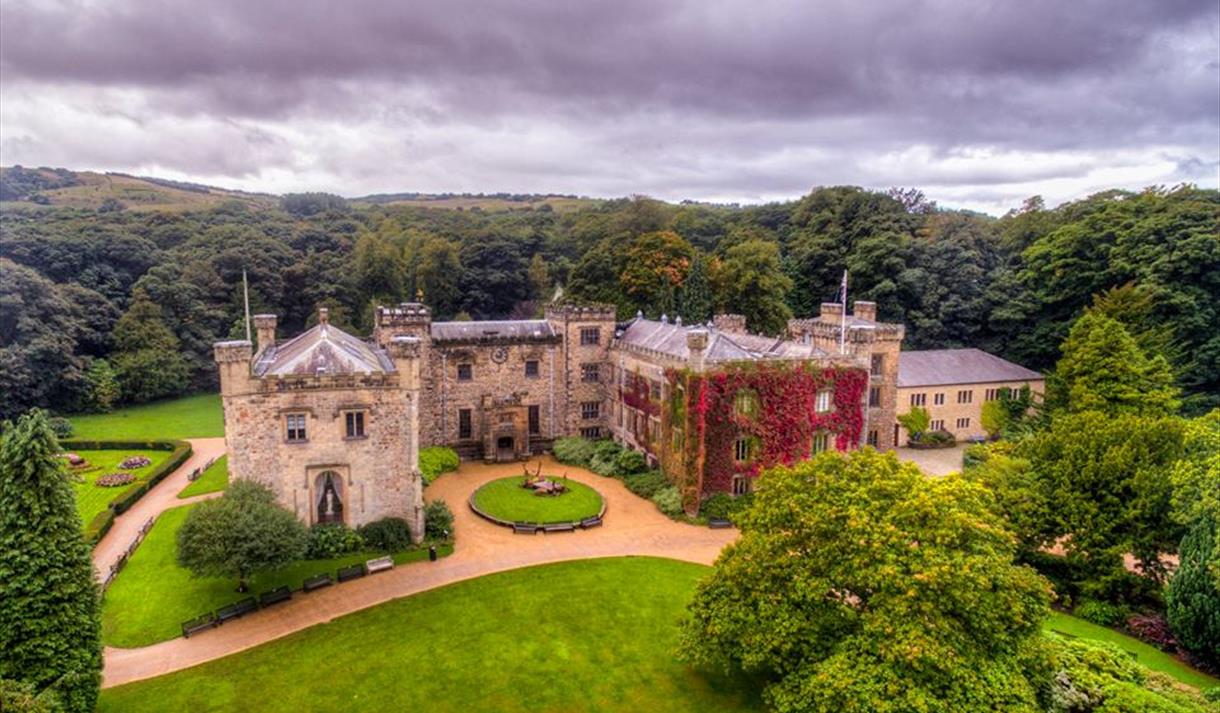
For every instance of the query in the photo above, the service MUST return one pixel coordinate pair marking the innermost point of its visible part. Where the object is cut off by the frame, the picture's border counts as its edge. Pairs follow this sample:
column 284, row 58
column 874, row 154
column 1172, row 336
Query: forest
column 110, row 305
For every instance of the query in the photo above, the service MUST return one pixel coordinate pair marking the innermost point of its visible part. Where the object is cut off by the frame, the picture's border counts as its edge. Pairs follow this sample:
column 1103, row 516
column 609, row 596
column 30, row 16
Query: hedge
column 180, row 451
column 435, row 460
column 99, row 526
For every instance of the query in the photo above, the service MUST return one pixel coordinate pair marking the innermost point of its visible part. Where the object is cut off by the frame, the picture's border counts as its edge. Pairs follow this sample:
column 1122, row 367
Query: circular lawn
column 506, row 499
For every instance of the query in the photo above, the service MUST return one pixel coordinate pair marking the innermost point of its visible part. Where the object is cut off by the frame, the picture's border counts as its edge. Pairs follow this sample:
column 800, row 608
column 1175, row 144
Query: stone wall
column 569, row 321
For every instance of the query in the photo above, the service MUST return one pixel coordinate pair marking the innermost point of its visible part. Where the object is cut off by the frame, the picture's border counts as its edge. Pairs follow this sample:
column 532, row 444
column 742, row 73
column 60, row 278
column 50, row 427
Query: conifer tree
column 1104, row 369
column 50, row 628
column 1192, row 601
column 697, row 293
column 148, row 357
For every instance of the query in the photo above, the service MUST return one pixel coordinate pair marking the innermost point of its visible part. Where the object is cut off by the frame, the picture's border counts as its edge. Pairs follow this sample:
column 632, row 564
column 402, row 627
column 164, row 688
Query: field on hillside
column 197, row 416
column 135, row 193
column 559, row 204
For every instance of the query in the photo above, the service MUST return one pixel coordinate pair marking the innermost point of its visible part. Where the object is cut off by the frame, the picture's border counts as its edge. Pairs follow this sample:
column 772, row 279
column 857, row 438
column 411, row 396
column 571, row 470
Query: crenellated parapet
column 568, row 312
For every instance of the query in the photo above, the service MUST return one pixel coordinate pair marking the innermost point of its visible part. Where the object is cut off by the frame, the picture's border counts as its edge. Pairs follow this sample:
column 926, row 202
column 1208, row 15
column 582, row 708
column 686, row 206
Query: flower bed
column 114, row 480
column 133, row 462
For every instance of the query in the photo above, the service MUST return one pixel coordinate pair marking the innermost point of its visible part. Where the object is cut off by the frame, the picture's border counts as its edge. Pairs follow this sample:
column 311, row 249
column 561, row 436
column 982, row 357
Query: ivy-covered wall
column 778, row 415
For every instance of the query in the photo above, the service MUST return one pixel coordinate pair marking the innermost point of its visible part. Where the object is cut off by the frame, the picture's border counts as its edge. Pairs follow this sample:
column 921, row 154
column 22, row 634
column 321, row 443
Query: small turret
column 265, row 326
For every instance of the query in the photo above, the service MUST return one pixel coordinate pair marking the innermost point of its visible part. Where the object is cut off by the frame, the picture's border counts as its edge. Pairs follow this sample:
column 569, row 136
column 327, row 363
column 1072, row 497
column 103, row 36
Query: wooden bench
column 236, row 609
column 356, row 571
column 275, row 596
column 595, row 521
column 381, row 564
column 524, row 528
column 198, row 624
column 719, row 523
column 560, row 527
column 317, row 582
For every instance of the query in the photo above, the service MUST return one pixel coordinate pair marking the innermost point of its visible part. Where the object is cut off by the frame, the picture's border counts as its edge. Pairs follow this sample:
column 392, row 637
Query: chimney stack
column 265, row 326
column 864, row 310
column 323, row 316
column 830, row 312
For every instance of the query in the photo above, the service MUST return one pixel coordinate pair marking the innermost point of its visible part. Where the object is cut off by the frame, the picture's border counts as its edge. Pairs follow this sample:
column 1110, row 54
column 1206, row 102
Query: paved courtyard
column 940, row 461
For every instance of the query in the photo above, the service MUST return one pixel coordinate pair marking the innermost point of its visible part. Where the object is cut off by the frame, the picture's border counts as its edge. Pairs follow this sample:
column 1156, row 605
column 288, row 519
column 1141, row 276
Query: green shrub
column 330, row 539
column 573, row 451
column 389, row 534
column 438, row 520
column 123, row 502
column 725, row 505
column 1102, row 613
column 61, row 426
column 436, row 460
column 668, row 500
column 99, row 526
column 630, row 462
column 1193, row 598
column 646, row 484
column 605, row 458
column 975, row 455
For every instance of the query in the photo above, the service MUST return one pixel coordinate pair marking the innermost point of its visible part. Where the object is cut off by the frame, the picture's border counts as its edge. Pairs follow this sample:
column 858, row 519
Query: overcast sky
column 979, row 103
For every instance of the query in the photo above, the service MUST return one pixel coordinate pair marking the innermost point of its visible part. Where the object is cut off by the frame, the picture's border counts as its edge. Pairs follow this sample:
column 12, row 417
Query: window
column 938, row 400
column 874, row 396
column 589, row 336
column 535, row 419
column 295, row 423
column 654, row 390
column 590, row 409
column 878, row 365
column 590, row 373
column 531, row 369
column 654, row 430
column 937, row 424
column 919, row 399
column 965, row 397
column 464, row 429
column 741, row 485
column 963, row 423
column 822, row 405
column 997, row 393
column 465, row 372
column 745, row 403
column 821, row 442
column 741, row 450
column 872, row 438
column 593, row 432
column 354, row 420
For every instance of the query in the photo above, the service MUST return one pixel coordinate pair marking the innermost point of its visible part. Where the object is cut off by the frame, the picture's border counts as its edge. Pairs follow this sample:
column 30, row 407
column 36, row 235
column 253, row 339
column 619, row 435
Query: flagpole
column 245, row 289
column 843, row 318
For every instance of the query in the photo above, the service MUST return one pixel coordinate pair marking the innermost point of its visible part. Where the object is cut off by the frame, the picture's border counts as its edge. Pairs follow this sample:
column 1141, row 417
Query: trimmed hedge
column 573, row 450
column 180, row 451
column 99, row 526
column 435, row 460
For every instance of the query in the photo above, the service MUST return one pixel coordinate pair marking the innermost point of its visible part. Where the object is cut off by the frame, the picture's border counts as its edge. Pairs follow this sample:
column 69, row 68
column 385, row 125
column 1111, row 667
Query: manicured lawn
column 507, row 500
column 1149, row 656
column 188, row 417
column 592, row 635
column 153, row 595
column 212, row 480
column 92, row 499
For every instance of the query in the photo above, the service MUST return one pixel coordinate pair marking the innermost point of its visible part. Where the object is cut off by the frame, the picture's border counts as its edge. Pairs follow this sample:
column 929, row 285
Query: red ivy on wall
column 635, row 393
column 781, row 425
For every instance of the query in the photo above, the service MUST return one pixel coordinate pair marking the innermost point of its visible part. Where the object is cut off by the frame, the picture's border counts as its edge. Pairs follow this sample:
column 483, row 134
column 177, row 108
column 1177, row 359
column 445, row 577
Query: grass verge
column 197, row 416
column 212, row 480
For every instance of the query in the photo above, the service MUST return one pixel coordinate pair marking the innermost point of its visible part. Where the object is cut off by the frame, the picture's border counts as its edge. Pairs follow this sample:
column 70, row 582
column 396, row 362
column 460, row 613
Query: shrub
column 1193, row 598
column 436, row 460
column 915, row 422
column 1099, row 612
column 113, row 480
column 123, row 502
column 668, row 500
column 573, row 451
column 1153, row 629
column 646, row 484
column 390, row 534
column 974, row 455
column 61, row 426
column 605, row 458
column 725, row 505
column 328, row 540
column 438, row 520
column 99, row 526
column 630, row 462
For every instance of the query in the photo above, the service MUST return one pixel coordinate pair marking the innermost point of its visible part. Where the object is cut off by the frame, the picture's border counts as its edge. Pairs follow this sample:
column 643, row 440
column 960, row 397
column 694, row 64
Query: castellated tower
column 588, row 332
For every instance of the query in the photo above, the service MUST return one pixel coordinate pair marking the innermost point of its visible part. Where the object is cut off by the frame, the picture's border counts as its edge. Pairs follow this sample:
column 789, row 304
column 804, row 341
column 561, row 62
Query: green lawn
column 507, row 500
column 188, row 417
column 1149, row 656
column 212, row 480
column 593, row 635
column 92, row 499
column 153, row 595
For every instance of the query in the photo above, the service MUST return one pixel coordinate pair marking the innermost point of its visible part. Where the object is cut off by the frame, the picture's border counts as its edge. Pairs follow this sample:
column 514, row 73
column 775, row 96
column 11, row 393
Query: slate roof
column 940, row 367
column 514, row 329
column 325, row 349
column 670, row 339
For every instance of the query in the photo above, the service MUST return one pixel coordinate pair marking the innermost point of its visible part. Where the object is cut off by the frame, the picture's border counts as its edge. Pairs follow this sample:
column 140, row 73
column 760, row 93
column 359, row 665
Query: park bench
column 560, row 527
column 719, row 523
column 198, row 624
column 275, row 596
column 317, row 582
column 381, row 564
column 356, row 571
column 524, row 528
column 236, row 609
column 595, row 521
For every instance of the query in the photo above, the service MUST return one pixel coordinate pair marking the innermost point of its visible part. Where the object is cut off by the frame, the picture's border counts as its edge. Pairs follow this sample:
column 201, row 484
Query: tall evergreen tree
column 1104, row 369
column 50, row 627
column 1192, row 601
column 697, row 292
column 148, row 359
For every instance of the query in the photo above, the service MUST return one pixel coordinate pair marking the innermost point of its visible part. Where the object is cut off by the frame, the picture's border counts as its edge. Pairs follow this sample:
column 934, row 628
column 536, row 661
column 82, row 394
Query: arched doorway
column 329, row 490
column 504, row 448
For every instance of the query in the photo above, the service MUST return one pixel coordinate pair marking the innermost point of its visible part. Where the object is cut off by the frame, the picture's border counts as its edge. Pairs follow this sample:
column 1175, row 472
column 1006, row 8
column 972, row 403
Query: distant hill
column 60, row 187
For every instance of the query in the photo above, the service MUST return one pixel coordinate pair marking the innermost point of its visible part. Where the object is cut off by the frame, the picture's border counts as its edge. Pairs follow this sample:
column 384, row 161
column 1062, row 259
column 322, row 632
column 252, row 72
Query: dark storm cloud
column 681, row 79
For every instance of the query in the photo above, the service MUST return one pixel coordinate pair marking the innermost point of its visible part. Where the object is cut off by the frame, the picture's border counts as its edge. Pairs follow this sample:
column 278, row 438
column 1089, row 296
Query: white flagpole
column 245, row 288
column 843, row 317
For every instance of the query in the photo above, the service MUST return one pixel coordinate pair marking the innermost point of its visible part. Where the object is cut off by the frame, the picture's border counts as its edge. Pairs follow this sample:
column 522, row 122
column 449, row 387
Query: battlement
column 561, row 312
column 403, row 347
column 239, row 350
column 407, row 319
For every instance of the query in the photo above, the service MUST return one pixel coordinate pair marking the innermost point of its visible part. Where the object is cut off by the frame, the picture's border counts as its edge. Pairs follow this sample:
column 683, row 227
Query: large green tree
column 148, row 360
column 1192, row 600
column 1104, row 369
column 696, row 296
column 752, row 283
column 656, row 268
column 240, row 533
column 860, row 585
column 50, row 626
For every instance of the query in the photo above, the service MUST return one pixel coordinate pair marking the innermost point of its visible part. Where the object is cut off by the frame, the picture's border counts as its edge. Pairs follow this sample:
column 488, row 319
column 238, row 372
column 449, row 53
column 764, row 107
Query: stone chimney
column 323, row 316
column 830, row 312
column 696, row 343
column 265, row 326
column 864, row 310
column 731, row 323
